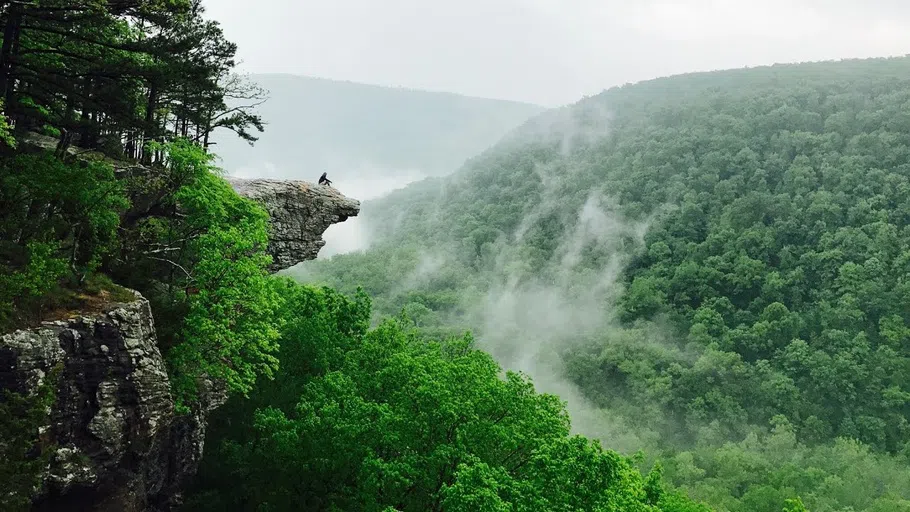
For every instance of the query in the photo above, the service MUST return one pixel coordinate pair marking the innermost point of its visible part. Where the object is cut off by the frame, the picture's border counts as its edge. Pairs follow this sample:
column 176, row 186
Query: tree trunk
column 130, row 146
column 87, row 136
column 150, row 127
column 208, row 131
column 63, row 145
column 10, row 38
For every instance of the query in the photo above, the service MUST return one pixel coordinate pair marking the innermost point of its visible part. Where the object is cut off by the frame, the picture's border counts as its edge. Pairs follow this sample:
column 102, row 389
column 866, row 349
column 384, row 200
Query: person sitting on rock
column 324, row 181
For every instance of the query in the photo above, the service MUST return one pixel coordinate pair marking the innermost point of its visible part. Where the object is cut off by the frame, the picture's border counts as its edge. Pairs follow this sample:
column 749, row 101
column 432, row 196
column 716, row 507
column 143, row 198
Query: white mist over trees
column 709, row 267
column 709, row 273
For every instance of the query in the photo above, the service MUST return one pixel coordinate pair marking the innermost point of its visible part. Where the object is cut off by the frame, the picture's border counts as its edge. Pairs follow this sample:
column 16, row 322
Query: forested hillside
column 714, row 268
column 360, row 132
column 128, row 85
column 107, row 180
column 385, row 419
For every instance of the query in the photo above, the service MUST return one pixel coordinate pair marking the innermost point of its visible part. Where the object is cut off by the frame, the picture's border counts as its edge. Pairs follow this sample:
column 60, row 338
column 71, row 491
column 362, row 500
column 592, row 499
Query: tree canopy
column 106, row 181
column 714, row 266
column 114, row 75
column 385, row 419
column 716, row 261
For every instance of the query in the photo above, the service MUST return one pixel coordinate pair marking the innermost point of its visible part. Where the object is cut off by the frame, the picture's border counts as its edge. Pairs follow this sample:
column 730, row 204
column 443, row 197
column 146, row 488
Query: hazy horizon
column 342, row 81
column 549, row 52
column 369, row 139
column 538, row 52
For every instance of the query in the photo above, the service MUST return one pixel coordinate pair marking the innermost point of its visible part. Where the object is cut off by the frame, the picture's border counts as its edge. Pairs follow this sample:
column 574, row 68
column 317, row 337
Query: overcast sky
column 549, row 52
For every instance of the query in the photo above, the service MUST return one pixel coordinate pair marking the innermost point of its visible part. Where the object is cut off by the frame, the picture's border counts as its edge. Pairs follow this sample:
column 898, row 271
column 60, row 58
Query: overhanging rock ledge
column 300, row 213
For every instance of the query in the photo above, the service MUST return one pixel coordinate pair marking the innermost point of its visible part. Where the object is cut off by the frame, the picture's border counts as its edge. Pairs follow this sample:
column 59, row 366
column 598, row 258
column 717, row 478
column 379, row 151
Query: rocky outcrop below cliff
column 113, row 425
column 300, row 213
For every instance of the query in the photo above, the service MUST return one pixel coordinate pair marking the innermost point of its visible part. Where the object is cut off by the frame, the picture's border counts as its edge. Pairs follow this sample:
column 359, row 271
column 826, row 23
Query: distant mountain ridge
column 366, row 132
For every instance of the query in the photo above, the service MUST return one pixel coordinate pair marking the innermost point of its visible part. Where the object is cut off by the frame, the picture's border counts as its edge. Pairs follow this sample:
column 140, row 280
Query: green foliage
column 141, row 81
column 230, row 329
column 23, row 455
column 385, row 419
column 766, row 469
column 111, row 75
column 48, row 199
column 58, row 219
column 6, row 132
column 50, row 131
column 25, row 292
column 759, row 339
column 771, row 281
column 795, row 505
column 184, row 238
column 206, row 267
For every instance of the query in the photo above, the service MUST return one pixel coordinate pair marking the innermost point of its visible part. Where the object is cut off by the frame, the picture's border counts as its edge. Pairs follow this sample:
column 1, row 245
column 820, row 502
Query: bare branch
column 177, row 265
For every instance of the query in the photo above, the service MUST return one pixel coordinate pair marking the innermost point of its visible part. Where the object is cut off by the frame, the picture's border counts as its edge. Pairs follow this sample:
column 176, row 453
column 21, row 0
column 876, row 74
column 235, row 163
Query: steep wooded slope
column 711, row 257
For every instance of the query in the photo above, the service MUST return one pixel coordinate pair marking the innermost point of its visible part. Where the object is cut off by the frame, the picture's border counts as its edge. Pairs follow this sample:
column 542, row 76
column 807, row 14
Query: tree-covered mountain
column 119, row 189
column 366, row 132
column 712, row 267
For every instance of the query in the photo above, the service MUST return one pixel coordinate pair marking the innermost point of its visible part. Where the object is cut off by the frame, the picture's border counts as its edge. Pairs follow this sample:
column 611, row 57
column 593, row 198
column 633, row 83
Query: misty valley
column 683, row 294
column 709, row 269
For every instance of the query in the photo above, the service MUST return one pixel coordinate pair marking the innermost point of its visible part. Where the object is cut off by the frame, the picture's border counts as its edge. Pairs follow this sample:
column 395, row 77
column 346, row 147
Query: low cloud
column 526, row 325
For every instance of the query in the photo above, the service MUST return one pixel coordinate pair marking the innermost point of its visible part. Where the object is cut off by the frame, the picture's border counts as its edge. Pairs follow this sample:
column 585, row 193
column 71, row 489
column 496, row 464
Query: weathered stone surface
column 300, row 213
column 120, row 445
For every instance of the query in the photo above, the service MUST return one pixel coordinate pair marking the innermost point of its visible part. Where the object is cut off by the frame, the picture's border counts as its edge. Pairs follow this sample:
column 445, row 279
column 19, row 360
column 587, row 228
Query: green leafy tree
column 795, row 505
column 199, row 249
column 115, row 75
column 387, row 420
column 58, row 220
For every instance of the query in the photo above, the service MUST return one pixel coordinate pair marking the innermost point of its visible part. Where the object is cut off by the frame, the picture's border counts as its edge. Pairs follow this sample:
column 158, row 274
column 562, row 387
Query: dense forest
column 712, row 268
column 107, row 180
column 708, row 273
column 388, row 419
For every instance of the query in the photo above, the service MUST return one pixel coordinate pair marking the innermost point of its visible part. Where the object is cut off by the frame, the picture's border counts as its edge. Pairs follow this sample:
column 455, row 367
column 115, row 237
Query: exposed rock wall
column 112, row 422
column 300, row 213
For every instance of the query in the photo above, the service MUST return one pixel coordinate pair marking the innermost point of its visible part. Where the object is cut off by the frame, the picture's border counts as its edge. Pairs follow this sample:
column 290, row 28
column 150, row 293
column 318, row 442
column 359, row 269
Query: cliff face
column 300, row 213
column 120, row 445
column 112, row 420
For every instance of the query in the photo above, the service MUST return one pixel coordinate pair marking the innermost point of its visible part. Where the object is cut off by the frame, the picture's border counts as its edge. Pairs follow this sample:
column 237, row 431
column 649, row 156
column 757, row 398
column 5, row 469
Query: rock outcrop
column 120, row 444
column 300, row 213
column 113, row 423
